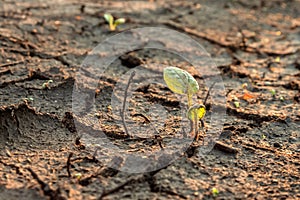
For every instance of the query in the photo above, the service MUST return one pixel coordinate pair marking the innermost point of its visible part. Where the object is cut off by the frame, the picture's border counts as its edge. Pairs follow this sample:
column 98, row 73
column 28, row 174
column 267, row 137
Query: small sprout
column 46, row 84
column 28, row 99
column 273, row 92
column 113, row 23
column 277, row 59
column 281, row 98
column 244, row 85
column 181, row 82
column 215, row 192
column 78, row 176
column 236, row 102
column 263, row 136
column 196, row 113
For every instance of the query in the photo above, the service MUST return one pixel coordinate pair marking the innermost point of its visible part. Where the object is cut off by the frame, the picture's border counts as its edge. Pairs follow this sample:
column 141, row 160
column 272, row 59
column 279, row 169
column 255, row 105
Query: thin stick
column 122, row 112
column 202, row 126
column 12, row 63
column 69, row 164
column 207, row 95
column 122, row 185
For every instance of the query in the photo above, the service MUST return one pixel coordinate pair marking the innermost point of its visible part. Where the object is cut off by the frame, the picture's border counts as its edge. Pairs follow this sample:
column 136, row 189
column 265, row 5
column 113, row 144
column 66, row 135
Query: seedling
column 244, row 85
column 78, row 176
column 236, row 102
column 273, row 92
column 28, row 99
column 181, row 82
column 112, row 22
column 196, row 113
column 46, row 84
column 215, row 192
column 281, row 98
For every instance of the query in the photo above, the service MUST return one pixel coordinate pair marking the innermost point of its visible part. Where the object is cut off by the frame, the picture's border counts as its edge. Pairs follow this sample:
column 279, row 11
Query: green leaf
column 119, row 21
column 237, row 104
column 109, row 18
column 197, row 110
column 273, row 92
column 180, row 81
column 215, row 192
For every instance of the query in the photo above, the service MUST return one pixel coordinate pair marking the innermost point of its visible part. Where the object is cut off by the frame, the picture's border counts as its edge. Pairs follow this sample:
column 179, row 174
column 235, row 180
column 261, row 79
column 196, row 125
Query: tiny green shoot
column 244, row 85
column 46, row 84
column 196, row 113
column 236, row 102
column 112, row 22
column 215, row 192
column 181, row 82
column 273, row 92
column 281, row 98
column 78, row 176
column 28, row 99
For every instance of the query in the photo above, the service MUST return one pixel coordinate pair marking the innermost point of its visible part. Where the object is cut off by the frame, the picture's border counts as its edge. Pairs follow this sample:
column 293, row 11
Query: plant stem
column 196, row 126
column 112, row 27
column 190, row 102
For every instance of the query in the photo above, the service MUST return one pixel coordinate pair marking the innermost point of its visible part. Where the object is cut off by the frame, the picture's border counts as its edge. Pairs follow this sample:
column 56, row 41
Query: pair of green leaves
column 181, row 82
column 112, row 22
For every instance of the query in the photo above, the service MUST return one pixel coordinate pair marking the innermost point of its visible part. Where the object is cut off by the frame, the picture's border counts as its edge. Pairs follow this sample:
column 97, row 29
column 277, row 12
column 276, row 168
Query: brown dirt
column 253, row 42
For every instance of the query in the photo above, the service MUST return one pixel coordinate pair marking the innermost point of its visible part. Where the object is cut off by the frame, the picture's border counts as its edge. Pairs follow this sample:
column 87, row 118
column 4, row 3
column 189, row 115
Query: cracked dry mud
column 254, row 42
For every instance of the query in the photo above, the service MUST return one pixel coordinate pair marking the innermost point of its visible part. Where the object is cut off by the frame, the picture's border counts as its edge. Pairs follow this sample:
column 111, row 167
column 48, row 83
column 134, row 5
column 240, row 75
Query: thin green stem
column 190, row 100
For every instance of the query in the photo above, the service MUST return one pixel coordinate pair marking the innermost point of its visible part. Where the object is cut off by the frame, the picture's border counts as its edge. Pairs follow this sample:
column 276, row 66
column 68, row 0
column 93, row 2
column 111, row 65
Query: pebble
column 277, row 145
column 292, row 139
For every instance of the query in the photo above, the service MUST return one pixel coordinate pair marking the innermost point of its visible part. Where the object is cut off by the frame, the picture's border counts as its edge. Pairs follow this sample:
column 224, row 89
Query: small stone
column 277, row 145
column 277, row 135
column 292, row 139
column 8, row 153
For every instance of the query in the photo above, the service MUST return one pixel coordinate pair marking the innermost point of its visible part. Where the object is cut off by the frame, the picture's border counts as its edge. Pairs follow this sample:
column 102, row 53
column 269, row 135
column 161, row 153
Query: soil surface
column 256, row 47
